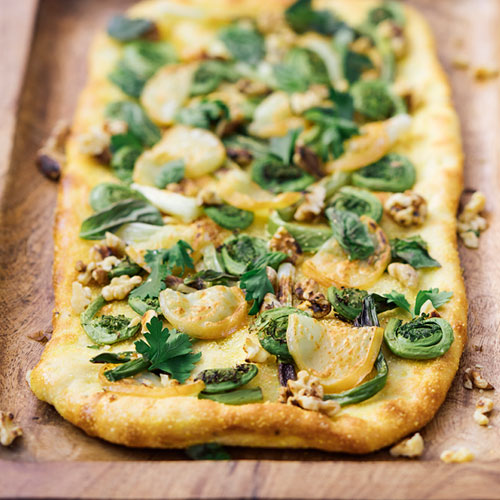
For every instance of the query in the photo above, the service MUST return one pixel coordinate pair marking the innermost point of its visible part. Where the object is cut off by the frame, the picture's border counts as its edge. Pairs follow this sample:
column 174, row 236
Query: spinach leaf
column 107, row 193
column 138, row 122
column 210, row 74
column 301, row 17
column 343, row 104
column 206, row 114
column 124, row 29
column 114, row 216
column 212, row 277
column 172, row 172
column 244, row 43
column 412, row 251
column 284, row 147
column 351, row 234
column 355, row 64
column 326, row 138
column 299, row 70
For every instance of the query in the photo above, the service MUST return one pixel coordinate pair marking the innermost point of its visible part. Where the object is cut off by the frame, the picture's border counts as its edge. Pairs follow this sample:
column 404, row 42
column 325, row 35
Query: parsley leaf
column 412, row 251
column 434, row 295
column 399, row 299
column 167, row 351
column 256, row 284
column 162, row 263
column 272, row 259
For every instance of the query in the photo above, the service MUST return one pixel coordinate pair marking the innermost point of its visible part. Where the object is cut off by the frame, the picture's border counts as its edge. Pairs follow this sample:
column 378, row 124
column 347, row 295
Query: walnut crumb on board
column 473, row 378
column 483, row 406
column 411, row 447
column 482, row 73
column 470, row 223
column 52, row 155
column 458, row 456
column 8, row 429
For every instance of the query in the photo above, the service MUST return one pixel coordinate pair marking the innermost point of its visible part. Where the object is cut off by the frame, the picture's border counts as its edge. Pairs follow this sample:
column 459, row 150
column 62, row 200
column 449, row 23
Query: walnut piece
column 404, row 273
column 410, row 447
column 482, row 73
column 474, row 378
column 314, row 96
column 120, row 287
column 94, row 142
column 80, row 297
column 255, row 352
column 470, row 224
column 483, row 406
column 283, row 241
column 313, row 301
column 406, row 209
column 8, row 429
column 307, row 393
column 312, row 206
column 115, row 244
column 270, row 302
column 52, row 155
column 457, row 456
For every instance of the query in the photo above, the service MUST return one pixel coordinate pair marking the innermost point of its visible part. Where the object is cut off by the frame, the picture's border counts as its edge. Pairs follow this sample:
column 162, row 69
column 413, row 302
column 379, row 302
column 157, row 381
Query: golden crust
column 415, row 390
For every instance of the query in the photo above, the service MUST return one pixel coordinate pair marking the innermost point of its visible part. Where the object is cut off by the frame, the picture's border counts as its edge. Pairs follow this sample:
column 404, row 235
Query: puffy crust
column 415, row 390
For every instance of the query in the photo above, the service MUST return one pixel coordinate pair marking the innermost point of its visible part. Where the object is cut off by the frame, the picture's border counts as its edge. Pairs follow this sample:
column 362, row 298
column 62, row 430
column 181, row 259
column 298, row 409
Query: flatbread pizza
column 255, row 240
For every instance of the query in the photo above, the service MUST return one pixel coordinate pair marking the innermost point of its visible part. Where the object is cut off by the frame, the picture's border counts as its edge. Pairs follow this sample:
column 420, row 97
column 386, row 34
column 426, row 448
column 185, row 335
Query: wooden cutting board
column 42, row 67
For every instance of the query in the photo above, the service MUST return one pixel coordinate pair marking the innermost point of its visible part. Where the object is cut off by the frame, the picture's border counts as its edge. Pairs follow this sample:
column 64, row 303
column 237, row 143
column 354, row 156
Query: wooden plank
column 56, row 72
column 251, row 479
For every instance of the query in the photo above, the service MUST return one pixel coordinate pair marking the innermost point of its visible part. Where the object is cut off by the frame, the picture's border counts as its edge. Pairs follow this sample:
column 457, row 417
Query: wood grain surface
column 53, row 72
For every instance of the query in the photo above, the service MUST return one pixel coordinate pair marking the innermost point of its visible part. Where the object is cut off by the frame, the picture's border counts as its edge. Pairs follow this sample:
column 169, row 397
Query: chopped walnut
column 252, row 87
column 52, row 155
column 308, row 160
column 80, row 297
column 97, row 271
column 116, row 127
column 307, row 392
column 483, row 406
column 390, row 30
column 314, row 96
column 406, row 209
column 429, row 309
column 283, row 241
column 404, row 273
column 457, row 456
column 278, row 44
column 208, row 196
column 312, row 206
column 313, row 301
column 410, row 447
column 41, row 335
column 8, row 429
column 115, row 244
column 146, row 318
column 241, row 156
column 255, row 352
column 94, row 142
column 474, row 378
column 470, row 224
column 270, row 302
column 120, row 287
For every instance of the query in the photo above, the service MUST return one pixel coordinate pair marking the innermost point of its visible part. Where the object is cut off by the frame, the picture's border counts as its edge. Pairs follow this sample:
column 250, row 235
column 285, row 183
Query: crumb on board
column 8, row 429
column 411, row 447
column 474, row 379
column 482, row 73
column 460, row 62
column 483, row 407
column 458, row 456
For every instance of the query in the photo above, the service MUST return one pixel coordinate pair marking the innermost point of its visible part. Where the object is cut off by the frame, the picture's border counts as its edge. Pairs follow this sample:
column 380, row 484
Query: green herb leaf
column 114, row 216
column 162, row 263
column 284, row 147
column 212, row 277
column 229, row 217
column 256, row 284
column 208, row 451
column 124, row 29
column 272, row 259
column 108, row 193
column 210, row 74
column 299, row 70
column 434, row 295
column 123, row 162
column 301, row 17
column 399, row 299
column 172, row 172
column 167, row 351
column 355, row 64
column 412, row 251
column 206, row 114
column 138, row 122
column 351, row 234
column 112, row 357
column 128, row 369
column 344, row 105
column 244, row 43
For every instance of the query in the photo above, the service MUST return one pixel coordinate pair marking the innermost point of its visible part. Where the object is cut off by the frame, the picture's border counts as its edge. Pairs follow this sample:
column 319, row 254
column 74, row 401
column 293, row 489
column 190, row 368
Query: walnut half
column 8, row 429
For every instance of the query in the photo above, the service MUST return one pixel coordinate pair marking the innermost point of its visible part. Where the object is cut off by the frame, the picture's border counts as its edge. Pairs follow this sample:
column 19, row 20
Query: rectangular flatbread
column 255, row 241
